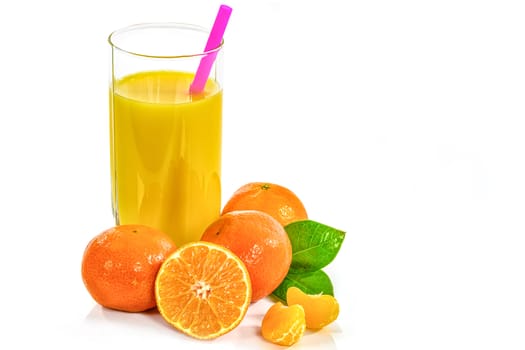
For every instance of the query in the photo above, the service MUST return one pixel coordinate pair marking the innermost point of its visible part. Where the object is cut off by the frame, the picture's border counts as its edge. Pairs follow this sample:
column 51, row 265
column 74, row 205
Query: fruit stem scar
column 265, row 187
column 202, row 289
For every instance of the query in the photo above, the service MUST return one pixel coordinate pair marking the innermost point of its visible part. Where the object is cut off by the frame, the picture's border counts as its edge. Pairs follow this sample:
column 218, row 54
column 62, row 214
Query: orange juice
column 166, row 153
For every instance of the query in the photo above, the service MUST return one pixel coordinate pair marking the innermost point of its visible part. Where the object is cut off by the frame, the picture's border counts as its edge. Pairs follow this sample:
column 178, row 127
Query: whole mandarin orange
column 273, row 199
column 260, row 242
column 119, row 266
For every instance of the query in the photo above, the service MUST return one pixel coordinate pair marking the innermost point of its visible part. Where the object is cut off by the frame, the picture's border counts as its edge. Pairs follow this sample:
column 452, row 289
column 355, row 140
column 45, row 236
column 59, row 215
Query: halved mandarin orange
column 203, row 289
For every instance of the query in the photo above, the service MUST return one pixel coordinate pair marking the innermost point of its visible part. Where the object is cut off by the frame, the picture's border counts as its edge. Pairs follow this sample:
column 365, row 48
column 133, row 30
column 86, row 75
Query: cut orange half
column 203, row 289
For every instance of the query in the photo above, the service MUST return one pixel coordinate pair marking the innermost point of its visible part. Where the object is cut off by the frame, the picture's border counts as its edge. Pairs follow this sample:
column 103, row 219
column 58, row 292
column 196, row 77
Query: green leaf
column 314, row 245
column 316, row 282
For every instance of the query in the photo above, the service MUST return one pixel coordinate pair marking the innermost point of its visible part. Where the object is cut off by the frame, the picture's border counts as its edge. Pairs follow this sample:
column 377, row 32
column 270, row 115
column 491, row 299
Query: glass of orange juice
column 165, row 142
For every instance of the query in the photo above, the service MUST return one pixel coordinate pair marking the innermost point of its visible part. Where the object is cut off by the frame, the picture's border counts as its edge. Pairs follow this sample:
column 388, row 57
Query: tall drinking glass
column 165, row 142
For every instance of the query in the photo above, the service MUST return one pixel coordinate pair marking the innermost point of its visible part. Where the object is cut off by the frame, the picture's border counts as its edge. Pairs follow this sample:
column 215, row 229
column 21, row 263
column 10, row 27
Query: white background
column 399, row 122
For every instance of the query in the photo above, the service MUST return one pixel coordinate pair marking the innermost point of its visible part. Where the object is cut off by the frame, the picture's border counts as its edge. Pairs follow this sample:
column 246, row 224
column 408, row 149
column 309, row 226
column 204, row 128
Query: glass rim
column 178, row 25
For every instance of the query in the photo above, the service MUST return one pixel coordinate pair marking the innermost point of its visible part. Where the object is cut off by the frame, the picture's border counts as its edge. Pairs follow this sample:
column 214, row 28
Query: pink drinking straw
column 214, row 40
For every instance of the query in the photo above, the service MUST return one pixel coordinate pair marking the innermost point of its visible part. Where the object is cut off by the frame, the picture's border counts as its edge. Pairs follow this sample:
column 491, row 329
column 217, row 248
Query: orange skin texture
column 276, row 200
column 260, row 242
column 119, row 266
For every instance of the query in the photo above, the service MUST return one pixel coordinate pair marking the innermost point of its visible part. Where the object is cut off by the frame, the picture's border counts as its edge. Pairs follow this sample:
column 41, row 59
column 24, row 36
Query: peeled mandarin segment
column 320, row 310
column 203, row 290
column 283, row 325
